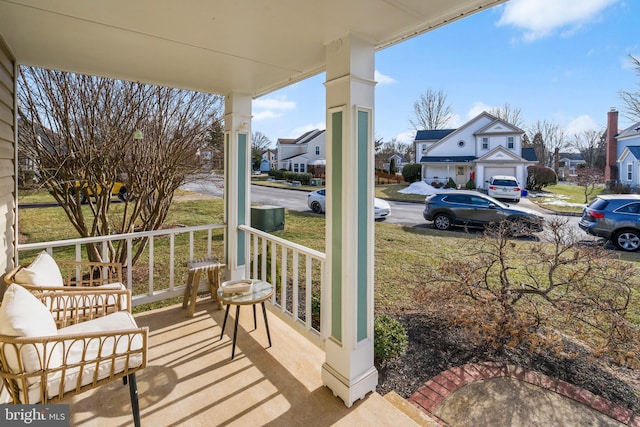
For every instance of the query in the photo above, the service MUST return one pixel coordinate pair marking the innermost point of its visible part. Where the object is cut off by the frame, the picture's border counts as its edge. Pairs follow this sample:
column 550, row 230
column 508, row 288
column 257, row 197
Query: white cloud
column 477, row 108
column 406, row 137
column 580, row 124
column 271, row 108
column 382, row 78
column 541, row 18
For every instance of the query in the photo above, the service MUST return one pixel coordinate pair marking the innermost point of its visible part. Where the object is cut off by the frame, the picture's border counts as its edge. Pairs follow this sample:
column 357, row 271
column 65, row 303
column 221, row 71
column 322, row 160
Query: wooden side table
column 213, row 267
column 247, row 292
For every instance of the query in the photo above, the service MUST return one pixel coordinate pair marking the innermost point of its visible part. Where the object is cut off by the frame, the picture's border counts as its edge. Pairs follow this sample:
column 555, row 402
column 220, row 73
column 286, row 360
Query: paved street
column 402, row 213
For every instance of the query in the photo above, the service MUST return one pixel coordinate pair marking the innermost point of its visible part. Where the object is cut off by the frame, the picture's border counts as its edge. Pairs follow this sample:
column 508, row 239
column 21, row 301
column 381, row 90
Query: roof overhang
column 218, row 46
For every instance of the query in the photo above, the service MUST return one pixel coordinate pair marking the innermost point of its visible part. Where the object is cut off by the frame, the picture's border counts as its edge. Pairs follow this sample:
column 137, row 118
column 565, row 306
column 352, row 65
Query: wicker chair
column 45, row 274
column 56, row 343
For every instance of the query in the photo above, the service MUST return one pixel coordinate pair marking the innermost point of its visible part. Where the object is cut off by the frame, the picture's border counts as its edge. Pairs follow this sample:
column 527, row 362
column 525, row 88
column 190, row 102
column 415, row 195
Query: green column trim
column 362, row 142
column 227, row 166
column 242, row 193
column 336, row 229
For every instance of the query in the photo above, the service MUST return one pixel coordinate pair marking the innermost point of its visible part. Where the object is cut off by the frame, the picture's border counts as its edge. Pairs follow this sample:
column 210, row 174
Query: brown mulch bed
column 435, row 347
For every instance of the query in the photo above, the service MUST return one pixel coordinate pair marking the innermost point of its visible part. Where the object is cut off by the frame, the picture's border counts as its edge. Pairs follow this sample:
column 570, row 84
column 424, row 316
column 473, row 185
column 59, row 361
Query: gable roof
column 495, row 127
column 432, row 135
column 631, row 131
column 633, row 149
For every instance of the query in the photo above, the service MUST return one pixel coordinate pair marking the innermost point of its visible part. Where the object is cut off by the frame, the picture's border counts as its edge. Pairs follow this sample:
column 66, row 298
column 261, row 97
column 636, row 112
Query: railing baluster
column 172, row 260
column 294, row 287
column 151, row 253
column 263, row 272
column 283, row 280
column 307, row 292
column 255, row 258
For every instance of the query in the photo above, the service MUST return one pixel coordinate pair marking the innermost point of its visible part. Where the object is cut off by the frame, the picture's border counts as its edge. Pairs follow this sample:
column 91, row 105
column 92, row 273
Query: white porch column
column 237, row 180
column 349, row 370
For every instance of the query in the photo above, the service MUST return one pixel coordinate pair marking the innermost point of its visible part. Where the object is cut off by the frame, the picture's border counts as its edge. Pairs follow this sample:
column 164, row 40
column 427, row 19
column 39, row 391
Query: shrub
column 471, row 184
column 390, row 338
column 412, row 172
column 451, row 183
column 540, row 176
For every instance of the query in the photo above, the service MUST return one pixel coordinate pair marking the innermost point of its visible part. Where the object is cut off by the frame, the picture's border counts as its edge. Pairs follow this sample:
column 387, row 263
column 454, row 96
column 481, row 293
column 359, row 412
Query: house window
column 510, row 143
column 424, row 147
column 302, row 168
column 629, row 172
column 485, row 143
column 317, row 150
column 295, row 167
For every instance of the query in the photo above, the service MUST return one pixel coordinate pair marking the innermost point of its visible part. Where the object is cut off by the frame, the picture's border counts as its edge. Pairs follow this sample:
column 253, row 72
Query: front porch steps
column 418, row 416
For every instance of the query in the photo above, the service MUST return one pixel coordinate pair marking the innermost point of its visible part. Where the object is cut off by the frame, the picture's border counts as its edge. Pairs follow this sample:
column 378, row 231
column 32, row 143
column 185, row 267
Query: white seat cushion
column 43, row 271
column 112, row 350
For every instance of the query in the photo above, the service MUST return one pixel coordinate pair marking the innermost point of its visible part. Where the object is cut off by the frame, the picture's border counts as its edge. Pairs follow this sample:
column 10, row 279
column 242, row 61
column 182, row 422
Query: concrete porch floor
column 191, row 380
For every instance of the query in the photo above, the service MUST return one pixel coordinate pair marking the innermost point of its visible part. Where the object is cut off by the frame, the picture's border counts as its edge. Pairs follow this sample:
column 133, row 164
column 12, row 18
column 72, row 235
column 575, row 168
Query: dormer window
column 460, row 144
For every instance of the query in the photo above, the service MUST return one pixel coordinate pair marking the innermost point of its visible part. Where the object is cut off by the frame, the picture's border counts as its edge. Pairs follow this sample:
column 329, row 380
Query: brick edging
column 432, row 393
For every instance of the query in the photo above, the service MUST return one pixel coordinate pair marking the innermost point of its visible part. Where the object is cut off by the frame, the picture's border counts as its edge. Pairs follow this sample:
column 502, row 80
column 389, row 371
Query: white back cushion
column 23, row 315
column 43, row 271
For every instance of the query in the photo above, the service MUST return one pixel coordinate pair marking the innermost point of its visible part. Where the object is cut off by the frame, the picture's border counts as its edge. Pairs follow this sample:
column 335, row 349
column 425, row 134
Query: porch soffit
column 221, row 46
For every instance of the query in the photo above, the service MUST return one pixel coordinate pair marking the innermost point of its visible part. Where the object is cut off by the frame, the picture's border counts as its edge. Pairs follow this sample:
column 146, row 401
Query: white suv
column 504, row 187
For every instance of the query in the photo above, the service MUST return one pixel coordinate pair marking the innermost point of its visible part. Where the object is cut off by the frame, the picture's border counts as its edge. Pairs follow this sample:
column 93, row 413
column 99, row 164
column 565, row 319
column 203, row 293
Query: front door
column 461, row 175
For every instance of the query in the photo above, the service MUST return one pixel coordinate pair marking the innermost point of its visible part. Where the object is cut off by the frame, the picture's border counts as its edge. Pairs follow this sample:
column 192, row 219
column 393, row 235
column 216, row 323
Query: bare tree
column 508, row 293
column 431, row 111
column 548, row 138
column 509, row 114
column 85, row 133
column 259, row 143
column 591, row 145
column 588, row 178
column 631, row 99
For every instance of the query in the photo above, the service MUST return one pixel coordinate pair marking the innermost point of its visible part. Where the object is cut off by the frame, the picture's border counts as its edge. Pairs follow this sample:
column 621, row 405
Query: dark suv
column 615, row 217
column 473, row 209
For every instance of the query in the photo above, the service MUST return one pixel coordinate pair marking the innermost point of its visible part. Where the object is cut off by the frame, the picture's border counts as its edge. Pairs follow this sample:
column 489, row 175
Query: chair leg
column 135, row 406
column 255, row 323
column 124, row 380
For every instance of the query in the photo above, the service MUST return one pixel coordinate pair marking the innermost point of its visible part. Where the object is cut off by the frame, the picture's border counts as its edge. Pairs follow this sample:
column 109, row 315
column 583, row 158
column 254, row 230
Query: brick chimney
column 611, row 167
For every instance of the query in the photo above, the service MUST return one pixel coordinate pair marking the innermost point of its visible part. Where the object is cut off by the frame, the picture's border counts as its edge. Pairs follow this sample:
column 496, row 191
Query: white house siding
column 451, row 146
column 7, row 159
column 628, row 169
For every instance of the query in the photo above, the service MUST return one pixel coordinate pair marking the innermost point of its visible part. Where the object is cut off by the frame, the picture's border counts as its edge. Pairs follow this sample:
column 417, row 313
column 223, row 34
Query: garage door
column 491, row 171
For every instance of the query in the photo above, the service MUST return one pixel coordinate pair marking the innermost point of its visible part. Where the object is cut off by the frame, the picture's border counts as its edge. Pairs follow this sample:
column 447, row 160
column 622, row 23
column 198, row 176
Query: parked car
column 474, row 209
column 117, row 189
column 615, row 217
column 504, row 187
column 316, row 202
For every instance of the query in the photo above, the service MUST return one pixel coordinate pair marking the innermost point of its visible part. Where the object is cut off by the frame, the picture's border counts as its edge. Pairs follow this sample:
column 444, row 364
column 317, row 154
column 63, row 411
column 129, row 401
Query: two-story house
column 622, row 152
column 568, row 165
column 269, row 160
column 482, row 147
column 298, row 154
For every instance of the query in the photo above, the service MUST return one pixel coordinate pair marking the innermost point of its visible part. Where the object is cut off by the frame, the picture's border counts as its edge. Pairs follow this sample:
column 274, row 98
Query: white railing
column 298, row 274
column 167, row 288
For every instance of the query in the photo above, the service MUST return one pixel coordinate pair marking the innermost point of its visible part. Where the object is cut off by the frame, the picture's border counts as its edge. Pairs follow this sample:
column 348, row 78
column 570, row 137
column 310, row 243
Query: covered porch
column 238, row 49
column 190, row 379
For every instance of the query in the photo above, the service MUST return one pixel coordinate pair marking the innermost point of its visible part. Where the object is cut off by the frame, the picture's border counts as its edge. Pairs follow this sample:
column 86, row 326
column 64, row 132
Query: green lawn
column 564, row 197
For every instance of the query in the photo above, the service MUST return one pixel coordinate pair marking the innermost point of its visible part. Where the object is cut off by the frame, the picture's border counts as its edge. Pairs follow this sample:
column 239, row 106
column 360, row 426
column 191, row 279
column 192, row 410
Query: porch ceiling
column 218, row 46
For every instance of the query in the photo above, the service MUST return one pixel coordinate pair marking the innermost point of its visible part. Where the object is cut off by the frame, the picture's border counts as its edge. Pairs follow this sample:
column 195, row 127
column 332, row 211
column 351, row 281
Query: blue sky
column 557, row 60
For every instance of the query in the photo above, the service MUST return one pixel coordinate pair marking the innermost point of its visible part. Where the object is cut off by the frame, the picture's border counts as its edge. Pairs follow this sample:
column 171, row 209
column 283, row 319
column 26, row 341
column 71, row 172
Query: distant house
column 269, row 160
column 622, row 152
column 400, row 162
column 302, row 154
column 482, row 147
column 568, row 164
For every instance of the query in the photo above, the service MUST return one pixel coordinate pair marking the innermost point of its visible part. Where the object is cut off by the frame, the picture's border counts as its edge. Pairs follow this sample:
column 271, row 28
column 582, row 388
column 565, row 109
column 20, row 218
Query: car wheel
column 627, row 240
column 442, row 222
column 124, row 195
column 315, row 206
